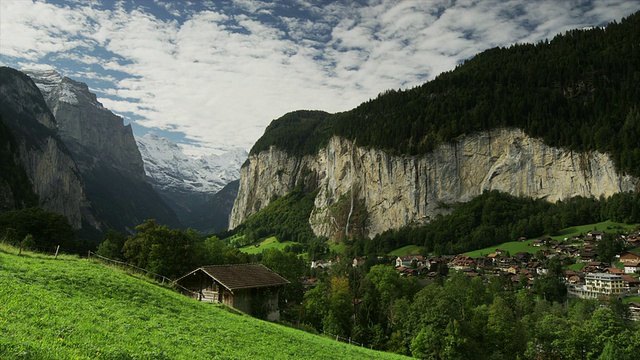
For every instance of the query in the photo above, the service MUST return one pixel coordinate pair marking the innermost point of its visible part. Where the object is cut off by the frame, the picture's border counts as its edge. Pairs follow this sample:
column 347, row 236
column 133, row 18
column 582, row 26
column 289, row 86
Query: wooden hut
column 251, row 288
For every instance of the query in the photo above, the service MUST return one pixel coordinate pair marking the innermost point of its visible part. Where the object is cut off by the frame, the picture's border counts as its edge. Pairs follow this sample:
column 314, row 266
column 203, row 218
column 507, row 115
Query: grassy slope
column 269, row 243
column 512, row 247
column 629, row 299
column 76, row 309
column 407, row 250
column 525, row 246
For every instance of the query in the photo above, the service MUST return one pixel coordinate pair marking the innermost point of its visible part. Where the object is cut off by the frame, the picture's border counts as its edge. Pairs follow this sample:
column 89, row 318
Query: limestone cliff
column 369, row 191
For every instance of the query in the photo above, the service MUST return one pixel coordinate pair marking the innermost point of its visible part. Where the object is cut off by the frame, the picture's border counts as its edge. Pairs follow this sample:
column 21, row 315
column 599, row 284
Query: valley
column 490, row 212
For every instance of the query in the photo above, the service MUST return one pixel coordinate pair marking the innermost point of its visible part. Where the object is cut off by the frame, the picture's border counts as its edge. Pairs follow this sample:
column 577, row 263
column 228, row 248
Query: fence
column 20, row 250
column 160, row 278
column 157, row 277
column 345, row 340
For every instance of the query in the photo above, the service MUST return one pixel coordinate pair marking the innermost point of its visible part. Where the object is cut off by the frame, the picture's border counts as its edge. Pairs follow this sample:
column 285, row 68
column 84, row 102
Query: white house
column 597, row 285
column 631, row 267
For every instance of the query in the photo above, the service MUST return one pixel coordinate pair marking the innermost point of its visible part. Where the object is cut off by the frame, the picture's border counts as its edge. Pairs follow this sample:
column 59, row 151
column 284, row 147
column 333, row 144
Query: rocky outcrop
column 48, row 163
column 93, row 133
column 382, row 191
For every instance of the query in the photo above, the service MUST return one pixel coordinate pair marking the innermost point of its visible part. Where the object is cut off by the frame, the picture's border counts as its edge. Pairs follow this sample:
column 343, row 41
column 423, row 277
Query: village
column 584, row 275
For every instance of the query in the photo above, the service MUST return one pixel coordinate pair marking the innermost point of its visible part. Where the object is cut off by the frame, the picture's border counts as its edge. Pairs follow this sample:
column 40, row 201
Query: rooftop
column 242, row 276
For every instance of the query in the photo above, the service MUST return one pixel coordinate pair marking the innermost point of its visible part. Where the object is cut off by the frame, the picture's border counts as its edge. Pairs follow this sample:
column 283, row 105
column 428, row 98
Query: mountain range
column 83, row 162
column 552, row 120
column 188, row 183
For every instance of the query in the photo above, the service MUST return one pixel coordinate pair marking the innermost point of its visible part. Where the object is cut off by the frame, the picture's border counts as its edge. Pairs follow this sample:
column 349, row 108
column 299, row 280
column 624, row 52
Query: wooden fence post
column 57, row 249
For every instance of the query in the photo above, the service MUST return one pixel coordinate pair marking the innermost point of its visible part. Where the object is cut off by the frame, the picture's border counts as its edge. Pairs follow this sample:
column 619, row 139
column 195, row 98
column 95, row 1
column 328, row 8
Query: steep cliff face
column 48, row 163
column 93, row 133
column 368, row 191
column 105, row 150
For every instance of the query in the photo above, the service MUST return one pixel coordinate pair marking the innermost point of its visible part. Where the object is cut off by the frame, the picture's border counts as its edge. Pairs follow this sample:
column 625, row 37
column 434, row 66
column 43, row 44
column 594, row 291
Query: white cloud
column 220, row 75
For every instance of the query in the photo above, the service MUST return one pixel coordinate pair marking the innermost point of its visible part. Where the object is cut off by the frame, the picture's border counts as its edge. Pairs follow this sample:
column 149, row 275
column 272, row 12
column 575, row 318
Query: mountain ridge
column 54, row 175
column 186, row 182
column 533, row 118
column 104, row 156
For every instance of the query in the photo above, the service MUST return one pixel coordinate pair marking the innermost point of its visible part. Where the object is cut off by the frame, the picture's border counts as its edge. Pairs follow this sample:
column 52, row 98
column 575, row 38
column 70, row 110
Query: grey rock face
column 93, row 133
column 105, row 150
column 398, row 190
column 47, row 161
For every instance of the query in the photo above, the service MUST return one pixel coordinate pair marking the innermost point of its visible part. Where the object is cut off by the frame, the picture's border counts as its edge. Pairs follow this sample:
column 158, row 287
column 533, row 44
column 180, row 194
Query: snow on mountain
column 55, row 87
column 171, row 170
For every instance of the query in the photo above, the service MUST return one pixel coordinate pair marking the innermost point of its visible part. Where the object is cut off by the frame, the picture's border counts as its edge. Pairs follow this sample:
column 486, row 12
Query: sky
column 212, row 75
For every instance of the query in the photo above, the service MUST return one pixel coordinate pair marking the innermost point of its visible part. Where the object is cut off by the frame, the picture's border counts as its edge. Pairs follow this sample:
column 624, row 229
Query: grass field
column 338, row 247
column 407, row 250
column 512, row 247
column 629, row 299
column 525, row 246
column 606, row 226
column 73, row 308
column 269, row 243
column 577, row 266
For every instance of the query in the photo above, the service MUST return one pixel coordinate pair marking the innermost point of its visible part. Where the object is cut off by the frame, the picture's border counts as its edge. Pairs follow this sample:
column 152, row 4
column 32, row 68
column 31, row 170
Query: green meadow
column 268, row 243
column 407, row 250
column 526, row 246
column 72, row 308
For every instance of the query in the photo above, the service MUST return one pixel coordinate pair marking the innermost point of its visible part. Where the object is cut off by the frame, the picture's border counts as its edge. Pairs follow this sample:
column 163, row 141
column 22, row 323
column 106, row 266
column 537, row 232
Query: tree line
column 494, row 218
column 463, row 318
column 37, row 229
column 285, row 217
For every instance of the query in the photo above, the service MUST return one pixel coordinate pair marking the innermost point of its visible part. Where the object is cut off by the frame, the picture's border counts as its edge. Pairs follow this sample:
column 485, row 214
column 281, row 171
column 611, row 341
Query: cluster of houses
column 237, row 285
column 595, row 279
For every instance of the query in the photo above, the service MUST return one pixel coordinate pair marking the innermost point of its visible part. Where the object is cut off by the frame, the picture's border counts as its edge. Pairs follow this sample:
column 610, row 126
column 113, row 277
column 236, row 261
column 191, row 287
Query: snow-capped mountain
column 54, row 87
column 187, row 182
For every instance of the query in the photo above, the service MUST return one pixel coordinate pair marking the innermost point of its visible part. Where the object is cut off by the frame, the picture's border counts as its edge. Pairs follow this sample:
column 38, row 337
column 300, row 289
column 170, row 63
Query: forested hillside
column 494, row 218
column 579, row 91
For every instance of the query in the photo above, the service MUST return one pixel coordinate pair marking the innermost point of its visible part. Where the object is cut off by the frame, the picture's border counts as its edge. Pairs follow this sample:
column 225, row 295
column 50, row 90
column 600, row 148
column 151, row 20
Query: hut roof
column 242, row 276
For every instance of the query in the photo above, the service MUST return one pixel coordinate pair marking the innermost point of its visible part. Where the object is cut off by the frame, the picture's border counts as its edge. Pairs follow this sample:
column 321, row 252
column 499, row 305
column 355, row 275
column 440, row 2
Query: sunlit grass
column 269, row 243
column 73, row 308
column 407, row 250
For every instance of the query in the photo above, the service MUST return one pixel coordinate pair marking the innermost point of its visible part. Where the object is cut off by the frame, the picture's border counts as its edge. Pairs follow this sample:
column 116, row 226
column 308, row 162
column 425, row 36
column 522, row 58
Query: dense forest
column 494, row 218
column 464, row 318
column 286, row 218
column 578, row 91
column 489, row 219
column 41, row 230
